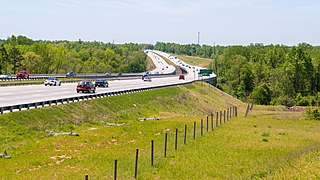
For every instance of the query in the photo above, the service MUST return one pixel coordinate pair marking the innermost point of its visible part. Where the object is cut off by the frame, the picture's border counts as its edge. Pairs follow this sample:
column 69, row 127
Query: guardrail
column 87, row 76
column 21, row 79
column 91, row 77
column 82, row 98
column 74, row 81
column 32, row 83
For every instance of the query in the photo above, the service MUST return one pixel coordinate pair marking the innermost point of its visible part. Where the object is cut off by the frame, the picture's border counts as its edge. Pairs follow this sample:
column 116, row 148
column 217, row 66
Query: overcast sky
column 223, row 22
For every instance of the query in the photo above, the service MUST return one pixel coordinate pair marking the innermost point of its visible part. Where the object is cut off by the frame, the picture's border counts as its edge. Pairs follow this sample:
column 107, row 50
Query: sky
column 219, row 22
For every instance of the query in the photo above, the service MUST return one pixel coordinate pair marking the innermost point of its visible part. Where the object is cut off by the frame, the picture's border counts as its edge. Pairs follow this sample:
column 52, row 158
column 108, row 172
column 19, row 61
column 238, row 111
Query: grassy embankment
column 199, row 61
column 271, row 142
column 150, row 65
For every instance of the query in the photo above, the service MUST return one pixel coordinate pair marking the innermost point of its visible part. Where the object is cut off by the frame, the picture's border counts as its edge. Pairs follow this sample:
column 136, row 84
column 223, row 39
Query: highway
column 15, row 95
column 162, row 67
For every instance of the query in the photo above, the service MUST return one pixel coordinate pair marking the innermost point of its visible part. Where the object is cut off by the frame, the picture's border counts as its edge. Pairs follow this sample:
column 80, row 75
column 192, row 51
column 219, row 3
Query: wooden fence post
column 136, row 164
column 176, row 140
column 152, row 150
column 207, row 123
column 165, row 144
column 185, row 134
column 227, row 114
column 220, row 117
column 247, row 111
column 224, row 116
column 236, row 111
column 211, row 121
column 115, row 169
column 194, row 130
column 233, row 111
column 201, row 128
column 217, row 119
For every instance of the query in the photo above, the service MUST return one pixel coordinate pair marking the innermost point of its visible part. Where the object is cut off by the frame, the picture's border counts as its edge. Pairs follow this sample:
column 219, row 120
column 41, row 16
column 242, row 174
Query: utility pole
column 198, row 38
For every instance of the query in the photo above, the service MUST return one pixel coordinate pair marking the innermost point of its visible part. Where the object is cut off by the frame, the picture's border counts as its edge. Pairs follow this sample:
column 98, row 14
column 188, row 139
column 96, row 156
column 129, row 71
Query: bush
column 306, row 100
column 285, row 100
column 313, row 114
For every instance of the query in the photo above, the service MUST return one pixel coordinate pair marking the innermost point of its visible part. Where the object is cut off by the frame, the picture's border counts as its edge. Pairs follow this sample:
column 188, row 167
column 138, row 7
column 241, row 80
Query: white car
column 146, row 78
column 5, row 76
column 52, row 81
column 108, row 73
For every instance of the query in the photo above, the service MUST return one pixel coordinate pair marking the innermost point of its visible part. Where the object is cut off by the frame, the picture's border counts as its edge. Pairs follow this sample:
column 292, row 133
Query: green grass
column 270, row 143
column 237, row 150
column 167, row 60
column 150, row 65
column 198, row 61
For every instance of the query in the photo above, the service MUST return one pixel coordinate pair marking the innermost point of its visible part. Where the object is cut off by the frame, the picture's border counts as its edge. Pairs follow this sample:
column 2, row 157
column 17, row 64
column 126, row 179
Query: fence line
column 232, row 112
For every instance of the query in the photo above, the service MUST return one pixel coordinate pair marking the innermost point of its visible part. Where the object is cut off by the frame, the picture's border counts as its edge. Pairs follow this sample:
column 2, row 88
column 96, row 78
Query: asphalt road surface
column 14, row 95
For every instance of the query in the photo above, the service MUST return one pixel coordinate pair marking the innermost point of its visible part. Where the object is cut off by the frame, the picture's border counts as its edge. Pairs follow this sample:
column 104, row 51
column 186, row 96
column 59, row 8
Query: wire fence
column 139, row 162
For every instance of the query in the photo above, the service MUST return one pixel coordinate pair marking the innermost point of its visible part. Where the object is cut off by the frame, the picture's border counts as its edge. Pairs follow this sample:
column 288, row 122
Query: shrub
column 285, row 100
column 313, row 114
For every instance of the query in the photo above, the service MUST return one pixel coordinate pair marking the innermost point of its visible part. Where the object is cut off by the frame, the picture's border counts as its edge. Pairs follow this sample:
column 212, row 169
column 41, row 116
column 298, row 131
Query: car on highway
column 101, row 83
column 146, row 78
column 119, row 73
column 181, row 77
column 52, row 81
column 71, row 74
column 86, row 86
column 22, row 74
column 108, row 73
column 5, row 76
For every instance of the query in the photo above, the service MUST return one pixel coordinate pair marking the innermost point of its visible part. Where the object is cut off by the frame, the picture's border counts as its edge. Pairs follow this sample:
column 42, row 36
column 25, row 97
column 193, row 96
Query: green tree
column 31, row 62
column 4, row 59
column 301, row 74
column 246, row 81
column 261, row 94
column 15, row 58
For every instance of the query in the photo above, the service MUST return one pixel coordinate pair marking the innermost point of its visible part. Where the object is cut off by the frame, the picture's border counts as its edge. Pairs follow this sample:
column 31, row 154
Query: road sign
column 205, row 72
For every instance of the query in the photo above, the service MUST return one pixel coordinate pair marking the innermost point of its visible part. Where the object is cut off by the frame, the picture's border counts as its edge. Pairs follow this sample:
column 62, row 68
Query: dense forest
column 58, row 57
column 270, row 74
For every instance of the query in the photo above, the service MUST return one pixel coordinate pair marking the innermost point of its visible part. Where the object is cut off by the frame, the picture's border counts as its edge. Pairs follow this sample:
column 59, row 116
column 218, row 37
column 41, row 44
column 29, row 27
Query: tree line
column 58, row 57
column 265, row 74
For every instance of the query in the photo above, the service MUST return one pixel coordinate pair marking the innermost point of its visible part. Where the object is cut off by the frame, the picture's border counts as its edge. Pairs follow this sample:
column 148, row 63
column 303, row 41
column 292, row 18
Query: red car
column 22, row 74
column 181, row 77
column 86, row 86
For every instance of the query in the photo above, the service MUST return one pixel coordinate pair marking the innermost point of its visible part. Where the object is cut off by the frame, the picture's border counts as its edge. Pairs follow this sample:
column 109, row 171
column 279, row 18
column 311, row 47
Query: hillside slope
column 256, row 146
